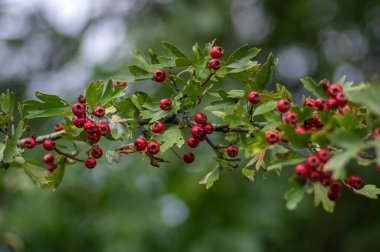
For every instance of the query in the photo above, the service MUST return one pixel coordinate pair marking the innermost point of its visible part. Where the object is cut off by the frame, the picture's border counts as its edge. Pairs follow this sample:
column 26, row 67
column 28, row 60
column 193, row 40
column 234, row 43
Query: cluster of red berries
column 216, row 53
column 121, row 84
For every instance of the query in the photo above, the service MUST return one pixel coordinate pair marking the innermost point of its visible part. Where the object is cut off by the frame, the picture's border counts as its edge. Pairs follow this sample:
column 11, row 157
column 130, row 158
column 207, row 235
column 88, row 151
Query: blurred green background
column 58, row 46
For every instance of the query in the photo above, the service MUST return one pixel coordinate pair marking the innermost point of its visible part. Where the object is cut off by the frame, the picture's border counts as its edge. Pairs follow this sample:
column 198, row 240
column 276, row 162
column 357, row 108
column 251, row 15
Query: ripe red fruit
column 217, row 52
column 283, row 105
column 140, row 144
column 58, row 127
column 314, row 176
column 291, row 118
column 159, row 75
column 188, row 157
column 192, row 142
column 325, row 180
column 378, row 167
column 96, row 152
column 30, row 142
column 323, row 155
column 153, row 147
column 332, row 103
column 272, row 137
column 78, row 109
column 301, row 171
column 79, row 121
column 200, row 118
column 334, row 89
column 319, row 103
column 165, row 104
column 309, row 103
column 90, row 126
column 208, row 128
column 232, row 151
column 312, row 162
column 201, row 138
column 376, row 132
column 121, row 84
column 356, row 182
column 333, row 196
column 197, row 130
column 49, row 158
column 81, row 99
column 90, row 162
column 336, row 186
column 48, row 145
column 103, row 129
column 52, row 167
column 99, row 111
column 93, row 138
column 214, row 64
column 254, row 97
column 158, row 127
column 341, row 98
column 300, row 130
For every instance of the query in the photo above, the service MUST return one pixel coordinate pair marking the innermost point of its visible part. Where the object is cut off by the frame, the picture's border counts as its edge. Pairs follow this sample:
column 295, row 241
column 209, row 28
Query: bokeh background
column 58, row 46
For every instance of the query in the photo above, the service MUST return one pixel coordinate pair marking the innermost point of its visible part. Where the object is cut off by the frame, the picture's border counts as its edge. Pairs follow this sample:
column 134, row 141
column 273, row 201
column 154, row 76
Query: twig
column 69, row 155
column 172, row 80
column 207, row 79
column 41, row 139
column 175, row 153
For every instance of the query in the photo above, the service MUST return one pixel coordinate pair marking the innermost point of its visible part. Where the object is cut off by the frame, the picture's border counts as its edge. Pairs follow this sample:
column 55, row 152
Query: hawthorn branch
column 71, row 155
column 218, row 154
column 41, row 139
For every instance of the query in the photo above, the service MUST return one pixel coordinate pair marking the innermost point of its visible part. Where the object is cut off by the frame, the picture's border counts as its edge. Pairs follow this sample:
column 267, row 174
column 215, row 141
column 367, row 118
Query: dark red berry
column 356, row 182
column 332, row 103
column 30, row 142
column 200, row 118
column 197, row 130
column 48, row 145
column 309, row 103
column 90, row 162
column 232, row 151
column 283, row 105
column 79, row 121
column 301, row 171
column 78, row 109
column 52, row 167
column 58, row 127
column 140, row 144
column 158, row 127
column 103, row 129
column 312, row 162
column 217, row 52
column 93, row 138
column 334, row 89
column 333, row 196
column 323, row 155
column 254, row 97
column 200, row 138
column 99, row 111
column 90, row 126
column 214, row 64
column 153, row 147
column 341, row 99
column 314, row 176
column 165, row 104
column 326, row 180
column 336, row 186
column 81, row 99
column 192, row 142
column 208, row 128
column 159, row 75
column 96, row 152
column 188, row 157
column 378, row 167
column 319, row 103
column 291, row 118
column 49, row 158
column 272, row 137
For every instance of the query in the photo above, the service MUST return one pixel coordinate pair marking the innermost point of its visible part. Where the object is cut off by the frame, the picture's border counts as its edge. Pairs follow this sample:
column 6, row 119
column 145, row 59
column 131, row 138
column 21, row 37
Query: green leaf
column 42, row 177
column 249, row 174
column 171, row 50
column 7, row 102
column 369, row 191
column 283, row 93
column 320, row 195
column 264, row 75
column 294, row 196
column 94, row 93
column 265, row 107
column 368, row 97
column 153, row 57
column 242, row 56
column 11, row 150
column 236, row 93
column 211, row 177
column 313, row 87
column 286, row 162
column 112, row 93
column 139, row 73
column 138, row 56
column 172, row 136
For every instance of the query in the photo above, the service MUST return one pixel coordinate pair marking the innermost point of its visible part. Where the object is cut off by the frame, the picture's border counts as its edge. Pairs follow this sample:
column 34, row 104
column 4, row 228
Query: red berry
column 140, row 144
column 272, row 137
column 197, row 130
column 208, row 128
column 58, row 127
column 356, row 182
column 326, row 180
column 165, row 104
column 81, row 99
column 90, row 126
column 103, row 129
column 336, row 186
column 159, row 75
column 301, row 171
column 232, row 151
column 30, row 142
column 291, row 118
column 52, row 167
column 334, row 89
column 96, row 152
column 254, row 97
column 283, row 105
column 99, row 111
column 314, row 176
column 153, row 147
column 78, row 109
column 378, row 167
column 217, row 52
column 300, row 130
column 158, row 127
column 79, row 121
column 341, row 98
column 48, row 145
column 309, row 103
column 319, row 103
column 345, row 108
column 333, row 196
column 200, row 118
column 376, row 132
column 192, row 142
column 312, row 162
column 323, row 155
column 201, row 138
column 332, row 103
column 121, row 84
column 214, row 64
column 90, row 162
column 188, row 157
column 49, row 158
column 93, row 138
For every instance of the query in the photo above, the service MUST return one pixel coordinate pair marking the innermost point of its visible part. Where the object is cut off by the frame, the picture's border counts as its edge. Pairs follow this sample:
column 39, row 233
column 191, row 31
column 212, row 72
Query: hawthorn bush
column 264, row 131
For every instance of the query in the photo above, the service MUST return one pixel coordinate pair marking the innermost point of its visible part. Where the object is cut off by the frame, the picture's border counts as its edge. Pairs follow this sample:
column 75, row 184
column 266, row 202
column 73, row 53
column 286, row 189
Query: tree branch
column 41, row 139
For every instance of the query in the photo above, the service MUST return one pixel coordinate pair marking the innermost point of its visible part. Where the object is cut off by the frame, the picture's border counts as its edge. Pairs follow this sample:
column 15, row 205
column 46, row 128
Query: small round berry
column 49, row 158
column 254, row 97
column 96, row 152
column 153, row 147
column 283, row 105
column 158, row 127
column 103, row 129
column 48, row 145
column 217, row 52
column 301, row 171
column 81, row 99
column 332, row 103
column 90, row 162
column 159, row 75
column 214, row 64
column 314, row 176
column 333, row 196
column 188, row 157
column 140, row 144
column 30, row 142
column 99, row 111
column 341, row 99
column 90, row 126
column 200, row 118
column 324, row 155
column 93, row 138
column 300, row 130
column 272, row 137
column 78, row 109
column 232, row 151
column 208, row 128
column 121, row 84
column 58, row 127
column 201, row 138
column 334, row 89
column 193, row 142
column 52, row 167
column 291, row 118
column 312, row 162
column 309, row 103
column 356, row 182
column 376, row 132
column 326, row 180
column 79, row 121
column 165, row 104
column 336, row 186
column 319, row 103
column 197, row 130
